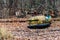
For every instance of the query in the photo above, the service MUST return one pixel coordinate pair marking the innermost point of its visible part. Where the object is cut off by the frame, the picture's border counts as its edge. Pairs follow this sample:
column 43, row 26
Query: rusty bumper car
column 39, row 22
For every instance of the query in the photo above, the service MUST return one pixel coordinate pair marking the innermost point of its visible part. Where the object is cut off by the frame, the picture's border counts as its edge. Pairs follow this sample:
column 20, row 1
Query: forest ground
column 22, row 32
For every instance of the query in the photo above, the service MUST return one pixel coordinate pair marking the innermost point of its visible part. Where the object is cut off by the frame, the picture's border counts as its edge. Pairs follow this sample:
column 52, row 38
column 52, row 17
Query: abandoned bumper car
column 39, row 21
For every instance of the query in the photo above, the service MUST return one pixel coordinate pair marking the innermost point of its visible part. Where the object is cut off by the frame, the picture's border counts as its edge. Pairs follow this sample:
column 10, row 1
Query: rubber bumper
column 39, row 25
